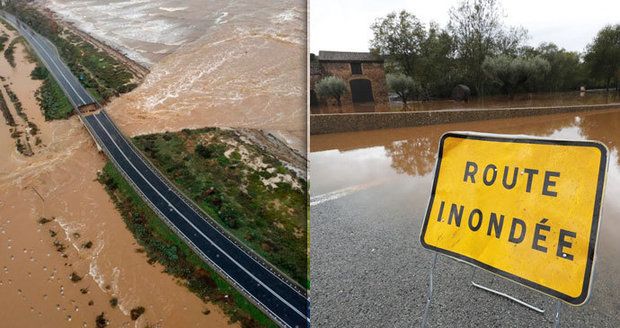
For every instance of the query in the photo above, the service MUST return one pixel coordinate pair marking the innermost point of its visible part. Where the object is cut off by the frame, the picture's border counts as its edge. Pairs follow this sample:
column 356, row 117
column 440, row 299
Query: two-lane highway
column 284, row 302
column 48, row 54
column 275, row 294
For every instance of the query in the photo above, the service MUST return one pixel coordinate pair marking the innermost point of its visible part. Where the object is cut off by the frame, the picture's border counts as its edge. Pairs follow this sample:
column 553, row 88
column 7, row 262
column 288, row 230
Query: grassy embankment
column 225, row 176
column 251, row 193
column 50, row 96
column 102, row 75
column 162, row 245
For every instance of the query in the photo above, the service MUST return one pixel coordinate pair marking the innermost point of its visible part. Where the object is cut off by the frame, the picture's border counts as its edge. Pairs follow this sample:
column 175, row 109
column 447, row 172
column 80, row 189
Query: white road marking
column 333, row 195
column 198, row 230
column 217, row 230
column 58, row 68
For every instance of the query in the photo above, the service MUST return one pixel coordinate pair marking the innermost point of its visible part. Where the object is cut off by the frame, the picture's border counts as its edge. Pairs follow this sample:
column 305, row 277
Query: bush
column 9, row 53
column 137, row 312
column 331, row 87
column 75, row 277
column 510, row 73
column 404, row 86
column 3, row 39
column 51, row 98
column 39, row 73
column 101, row 321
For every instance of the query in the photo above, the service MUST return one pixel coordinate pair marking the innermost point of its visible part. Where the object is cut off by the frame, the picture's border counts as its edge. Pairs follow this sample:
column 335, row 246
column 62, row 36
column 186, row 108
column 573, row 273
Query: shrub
column 404, row 86
column 137, row 312
column 331, row 87
column 101, row 321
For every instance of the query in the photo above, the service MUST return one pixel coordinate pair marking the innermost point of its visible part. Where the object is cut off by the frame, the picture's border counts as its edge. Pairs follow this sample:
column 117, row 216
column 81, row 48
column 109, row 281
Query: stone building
column 363, row 73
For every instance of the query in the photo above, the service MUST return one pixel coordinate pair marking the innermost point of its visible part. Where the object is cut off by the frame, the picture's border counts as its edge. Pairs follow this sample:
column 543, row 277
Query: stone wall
column 349, row 122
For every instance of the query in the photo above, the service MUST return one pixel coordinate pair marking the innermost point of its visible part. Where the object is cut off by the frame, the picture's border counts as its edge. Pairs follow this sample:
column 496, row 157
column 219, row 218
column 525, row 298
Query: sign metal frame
column 600, row 187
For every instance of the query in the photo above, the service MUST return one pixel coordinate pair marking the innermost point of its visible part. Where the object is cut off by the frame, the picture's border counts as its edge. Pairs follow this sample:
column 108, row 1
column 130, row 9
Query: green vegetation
column 19, row 108
column 510, row 73
column 51, row 98
column 439, row 58
column 9, row 53
column 99, row 72
column 164, row 246
column 8, row 117
column 331, row 87
column 101, row 321
column 74, row 277
column 603, row 56
column 113, row 302
column 136, row 312
column 248, row 191
column 3, row 39
column 402, row 85
column 44, row 220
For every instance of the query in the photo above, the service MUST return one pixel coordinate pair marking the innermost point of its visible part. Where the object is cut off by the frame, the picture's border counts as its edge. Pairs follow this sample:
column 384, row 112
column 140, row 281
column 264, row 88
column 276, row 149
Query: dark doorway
column 361, row 91
column 314, row 100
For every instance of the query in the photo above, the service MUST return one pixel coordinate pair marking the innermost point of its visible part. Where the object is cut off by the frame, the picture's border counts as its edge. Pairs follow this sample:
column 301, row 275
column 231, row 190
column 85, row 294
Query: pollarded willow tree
column 603, row 56
column 510, row 73
column 331, row 87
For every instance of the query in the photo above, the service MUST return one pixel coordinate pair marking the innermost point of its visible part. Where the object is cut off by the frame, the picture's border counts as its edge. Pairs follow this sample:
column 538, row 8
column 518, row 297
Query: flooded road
column 369, row 193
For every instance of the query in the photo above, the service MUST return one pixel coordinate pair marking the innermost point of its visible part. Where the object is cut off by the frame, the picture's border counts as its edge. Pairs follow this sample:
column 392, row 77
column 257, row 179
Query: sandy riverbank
column 59, row 181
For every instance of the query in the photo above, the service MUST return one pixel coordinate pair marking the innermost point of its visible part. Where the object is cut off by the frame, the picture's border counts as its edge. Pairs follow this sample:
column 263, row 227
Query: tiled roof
column 342, row 56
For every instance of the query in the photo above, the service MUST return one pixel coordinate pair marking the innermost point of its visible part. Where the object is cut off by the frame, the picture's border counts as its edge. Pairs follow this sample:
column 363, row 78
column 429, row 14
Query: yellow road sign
column 526, row 209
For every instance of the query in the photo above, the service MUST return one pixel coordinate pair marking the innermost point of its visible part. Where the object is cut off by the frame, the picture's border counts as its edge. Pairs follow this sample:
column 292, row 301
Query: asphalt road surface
column 276, row 295
column 49, row 55
column 283, row 301
column 369, row 194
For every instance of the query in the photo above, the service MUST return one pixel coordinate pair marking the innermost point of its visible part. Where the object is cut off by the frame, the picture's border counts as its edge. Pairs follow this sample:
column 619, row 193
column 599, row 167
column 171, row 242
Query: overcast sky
column 572, row 24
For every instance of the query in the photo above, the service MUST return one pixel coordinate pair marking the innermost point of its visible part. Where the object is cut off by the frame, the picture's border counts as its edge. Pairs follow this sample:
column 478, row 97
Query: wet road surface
column 369, row 193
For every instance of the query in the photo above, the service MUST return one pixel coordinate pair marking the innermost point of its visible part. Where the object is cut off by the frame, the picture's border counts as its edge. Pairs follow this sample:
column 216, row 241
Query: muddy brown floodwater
column 376, row 184
column 489, row 102
column 218, row 63
column 59, row 181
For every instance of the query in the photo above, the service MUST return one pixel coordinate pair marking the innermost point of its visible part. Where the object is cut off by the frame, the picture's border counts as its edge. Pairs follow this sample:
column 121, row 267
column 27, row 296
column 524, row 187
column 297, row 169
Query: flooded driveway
column 369, row 194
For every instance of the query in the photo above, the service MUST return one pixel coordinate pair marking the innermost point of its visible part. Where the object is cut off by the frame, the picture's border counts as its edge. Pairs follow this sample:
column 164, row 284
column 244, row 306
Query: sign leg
column 558, row 308
column 429, row 298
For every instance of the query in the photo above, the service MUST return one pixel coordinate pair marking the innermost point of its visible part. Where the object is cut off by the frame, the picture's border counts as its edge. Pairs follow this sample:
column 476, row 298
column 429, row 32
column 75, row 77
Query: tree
column 399, row 38
column 603, row 56
column 404, row 86
column 331, row 87
column 510, row 73
column 567, row 72
column 436, row 70
column 478, row 32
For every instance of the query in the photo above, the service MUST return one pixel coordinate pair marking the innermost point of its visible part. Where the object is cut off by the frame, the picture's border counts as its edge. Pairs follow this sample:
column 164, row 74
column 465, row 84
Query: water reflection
column 413, row 151
column 412, row 156
column 390, row 172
